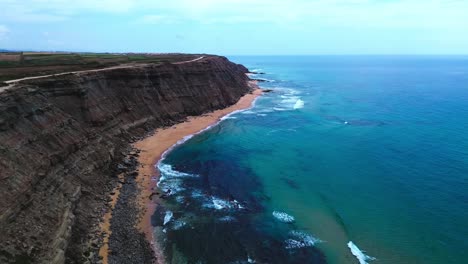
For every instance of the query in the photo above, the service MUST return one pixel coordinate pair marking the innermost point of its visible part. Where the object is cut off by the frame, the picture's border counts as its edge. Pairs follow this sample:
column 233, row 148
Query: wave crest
column 283, row 217
column 167, row 217
column 299, row 104
column 359, row 254
column 300, row 240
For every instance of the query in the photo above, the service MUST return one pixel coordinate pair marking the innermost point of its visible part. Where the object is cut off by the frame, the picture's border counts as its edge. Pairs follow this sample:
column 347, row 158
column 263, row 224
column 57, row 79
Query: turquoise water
column 372, row 150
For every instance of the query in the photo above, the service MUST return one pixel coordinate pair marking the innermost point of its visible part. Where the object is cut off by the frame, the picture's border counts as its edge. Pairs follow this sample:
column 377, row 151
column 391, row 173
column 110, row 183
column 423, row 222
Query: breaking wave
column 300, row 240
column 290, row 100
column 178, row 224
column 167, row 217
column 299, row 104
column 220, row 204
column 283, row 217
column 359, row 254
column 170, row 180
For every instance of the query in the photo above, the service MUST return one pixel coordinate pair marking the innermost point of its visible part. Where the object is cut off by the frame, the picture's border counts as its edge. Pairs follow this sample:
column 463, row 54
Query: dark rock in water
column 366, row 123
column 76, row 129
column 291, row 183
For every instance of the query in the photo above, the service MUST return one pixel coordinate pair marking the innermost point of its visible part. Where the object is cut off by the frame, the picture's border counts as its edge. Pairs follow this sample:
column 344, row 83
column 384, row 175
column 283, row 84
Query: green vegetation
column 15, row 65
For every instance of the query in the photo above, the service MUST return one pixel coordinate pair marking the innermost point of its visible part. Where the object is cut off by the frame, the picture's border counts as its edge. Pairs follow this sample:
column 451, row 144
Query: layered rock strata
column 62, row 139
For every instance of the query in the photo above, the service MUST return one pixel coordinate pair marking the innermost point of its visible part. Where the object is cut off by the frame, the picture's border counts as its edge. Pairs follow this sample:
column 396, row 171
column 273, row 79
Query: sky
column 237, row 27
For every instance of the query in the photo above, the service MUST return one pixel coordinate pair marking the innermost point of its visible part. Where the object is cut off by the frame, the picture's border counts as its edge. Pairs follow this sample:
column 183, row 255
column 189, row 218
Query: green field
column 15, row 65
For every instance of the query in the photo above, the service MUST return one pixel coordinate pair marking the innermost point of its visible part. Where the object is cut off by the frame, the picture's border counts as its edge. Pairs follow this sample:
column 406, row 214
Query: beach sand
column 153, row 147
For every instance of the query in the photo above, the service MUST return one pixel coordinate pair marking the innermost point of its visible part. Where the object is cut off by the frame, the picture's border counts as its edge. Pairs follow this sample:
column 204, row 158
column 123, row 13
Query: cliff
column 63, row 136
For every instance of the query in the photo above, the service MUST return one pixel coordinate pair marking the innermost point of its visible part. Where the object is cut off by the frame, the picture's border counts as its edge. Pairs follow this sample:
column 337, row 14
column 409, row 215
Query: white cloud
column 425, row 14
column 348, row 13
column 58, row 10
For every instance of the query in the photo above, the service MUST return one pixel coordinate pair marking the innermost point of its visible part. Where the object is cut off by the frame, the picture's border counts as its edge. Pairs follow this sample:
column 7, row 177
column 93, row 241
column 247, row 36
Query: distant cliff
column 61, row 138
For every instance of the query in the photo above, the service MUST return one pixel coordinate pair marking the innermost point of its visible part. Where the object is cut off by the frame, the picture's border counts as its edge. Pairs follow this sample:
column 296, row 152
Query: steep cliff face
column 62, row 136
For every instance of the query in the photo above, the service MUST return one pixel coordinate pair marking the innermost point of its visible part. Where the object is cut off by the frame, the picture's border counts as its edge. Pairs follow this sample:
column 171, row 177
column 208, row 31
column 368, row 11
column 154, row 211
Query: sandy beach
column 153, row 147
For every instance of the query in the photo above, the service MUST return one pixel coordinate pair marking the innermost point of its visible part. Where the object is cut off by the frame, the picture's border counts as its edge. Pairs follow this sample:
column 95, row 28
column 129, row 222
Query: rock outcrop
column 62, row 137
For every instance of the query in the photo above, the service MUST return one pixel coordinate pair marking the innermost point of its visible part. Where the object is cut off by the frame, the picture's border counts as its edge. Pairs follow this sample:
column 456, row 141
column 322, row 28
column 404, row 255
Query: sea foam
column 227, row 218
column 299, row 104
column 359, row 254
column 178, row 224
column 170, row 180
column 300, row 240
column 220, row 204
column 290, row 100
column 167, row 217
column 283, row 217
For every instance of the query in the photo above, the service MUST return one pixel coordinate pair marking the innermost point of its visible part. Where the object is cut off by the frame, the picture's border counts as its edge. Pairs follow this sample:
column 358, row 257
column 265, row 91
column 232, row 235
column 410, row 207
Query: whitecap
column 180, row 199
column 291, row 244
column 167, row 171
column 279, row 109
column 178, row 225
column 359, row 254
column 290, row 100
column 227, row 218
column 301, row 239
column 283, row 217
column 167, row 217
column 228, row 117
column 264, row 80
column 197, row 194
column 299, row 104
column 171, row 186
column 170, row 180
column 220, row 204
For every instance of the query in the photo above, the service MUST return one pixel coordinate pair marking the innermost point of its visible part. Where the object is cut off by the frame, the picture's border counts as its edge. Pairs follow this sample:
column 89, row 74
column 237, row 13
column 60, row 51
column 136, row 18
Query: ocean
column 350, row 159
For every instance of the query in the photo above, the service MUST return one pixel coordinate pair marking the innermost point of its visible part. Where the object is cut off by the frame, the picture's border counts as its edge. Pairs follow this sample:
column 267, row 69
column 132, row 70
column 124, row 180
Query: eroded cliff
column 61, row 138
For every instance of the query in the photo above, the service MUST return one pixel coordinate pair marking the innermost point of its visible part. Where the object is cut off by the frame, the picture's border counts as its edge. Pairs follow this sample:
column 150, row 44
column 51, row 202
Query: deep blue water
column 368, row 149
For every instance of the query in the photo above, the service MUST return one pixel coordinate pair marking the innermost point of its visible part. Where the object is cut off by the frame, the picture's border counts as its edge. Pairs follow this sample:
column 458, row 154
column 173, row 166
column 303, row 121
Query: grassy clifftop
column 15, row 65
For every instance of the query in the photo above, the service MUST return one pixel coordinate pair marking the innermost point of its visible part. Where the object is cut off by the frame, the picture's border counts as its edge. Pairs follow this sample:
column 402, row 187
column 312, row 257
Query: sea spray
column 283, row 217
column 170, row 180
column 359, row 254
column 167, row 217
column 300, row 240
column 220, row 204
column 299, row 104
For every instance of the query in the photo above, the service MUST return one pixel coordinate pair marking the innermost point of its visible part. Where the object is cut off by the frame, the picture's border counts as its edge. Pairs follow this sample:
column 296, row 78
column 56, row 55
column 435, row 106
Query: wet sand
column 153, row 147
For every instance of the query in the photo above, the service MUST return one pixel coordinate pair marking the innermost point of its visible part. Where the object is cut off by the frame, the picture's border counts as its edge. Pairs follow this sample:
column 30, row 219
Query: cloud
column 341, row 13
column 427, row 14
column 4, row 31
column 59, row 10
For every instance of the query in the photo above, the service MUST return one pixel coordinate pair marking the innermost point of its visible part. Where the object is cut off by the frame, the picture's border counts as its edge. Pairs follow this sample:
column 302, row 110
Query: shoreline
column 154, row 147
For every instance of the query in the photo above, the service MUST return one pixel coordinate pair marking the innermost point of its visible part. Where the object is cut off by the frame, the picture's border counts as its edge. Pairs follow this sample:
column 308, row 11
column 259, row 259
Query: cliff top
column 18, row 65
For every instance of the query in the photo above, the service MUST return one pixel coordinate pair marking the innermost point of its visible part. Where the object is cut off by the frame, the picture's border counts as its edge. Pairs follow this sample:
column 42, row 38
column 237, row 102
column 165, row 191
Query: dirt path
column 122, row 66
column 194, row 60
